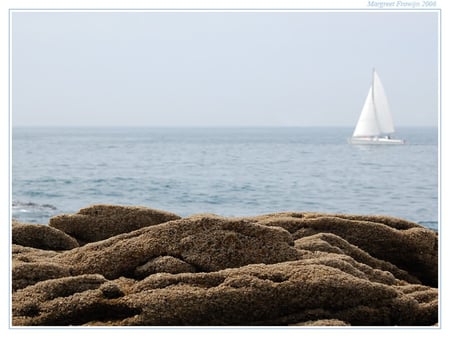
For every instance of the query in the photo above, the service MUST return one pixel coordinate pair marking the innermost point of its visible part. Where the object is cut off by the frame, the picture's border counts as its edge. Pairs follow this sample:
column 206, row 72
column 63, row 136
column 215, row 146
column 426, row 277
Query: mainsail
column 381, row 104
column 375, row 118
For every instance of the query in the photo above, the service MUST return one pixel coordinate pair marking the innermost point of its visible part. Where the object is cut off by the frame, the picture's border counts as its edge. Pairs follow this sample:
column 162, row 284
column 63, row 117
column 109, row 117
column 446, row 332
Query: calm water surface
column 227, row 171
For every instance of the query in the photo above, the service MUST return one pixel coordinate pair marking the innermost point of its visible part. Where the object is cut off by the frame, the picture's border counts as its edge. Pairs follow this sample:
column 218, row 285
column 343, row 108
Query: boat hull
column 375, row 140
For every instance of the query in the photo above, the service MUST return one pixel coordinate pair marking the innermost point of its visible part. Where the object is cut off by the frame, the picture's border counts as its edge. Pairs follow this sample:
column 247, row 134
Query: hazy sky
column 220, row 68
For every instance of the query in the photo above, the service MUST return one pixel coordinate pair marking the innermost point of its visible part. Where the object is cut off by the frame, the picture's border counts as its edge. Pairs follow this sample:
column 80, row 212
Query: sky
column 225, row 68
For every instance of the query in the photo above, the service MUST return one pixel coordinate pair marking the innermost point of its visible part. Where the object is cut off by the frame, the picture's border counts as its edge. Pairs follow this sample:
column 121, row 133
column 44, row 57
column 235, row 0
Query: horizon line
column 209, row 126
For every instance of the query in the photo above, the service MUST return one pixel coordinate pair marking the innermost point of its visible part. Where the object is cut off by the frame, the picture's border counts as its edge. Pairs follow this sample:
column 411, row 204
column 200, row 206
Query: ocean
column 226, row 171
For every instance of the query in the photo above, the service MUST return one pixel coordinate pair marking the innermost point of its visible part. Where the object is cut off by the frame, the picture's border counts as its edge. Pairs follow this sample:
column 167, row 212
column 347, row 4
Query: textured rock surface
column 41, row 237
column 302, row 269
column 99, row 222
column 163, row 264
column 404, row 244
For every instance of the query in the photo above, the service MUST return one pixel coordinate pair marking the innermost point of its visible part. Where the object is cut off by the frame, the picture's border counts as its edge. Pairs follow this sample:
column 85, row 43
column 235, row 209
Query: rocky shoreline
column 133, row 266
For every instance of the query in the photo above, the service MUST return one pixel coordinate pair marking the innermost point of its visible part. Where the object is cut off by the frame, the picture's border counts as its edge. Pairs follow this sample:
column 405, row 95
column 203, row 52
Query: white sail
column 375, row 119
column 367, row 124
column 383, row 113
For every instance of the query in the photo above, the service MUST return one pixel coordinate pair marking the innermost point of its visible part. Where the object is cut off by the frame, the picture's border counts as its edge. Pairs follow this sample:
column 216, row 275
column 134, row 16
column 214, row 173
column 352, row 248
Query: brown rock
column 111, row 290
column 328, row 242
column 207, row 243
column 304, row 269
column 277, row 294
column 99, row 222
column 70, row 300
column 28, row 254
column 24, row 274
column 407, row 245
column 292, row 219
column 287, row 293
column 54, row 288
column 167, row 264
column 42, row 237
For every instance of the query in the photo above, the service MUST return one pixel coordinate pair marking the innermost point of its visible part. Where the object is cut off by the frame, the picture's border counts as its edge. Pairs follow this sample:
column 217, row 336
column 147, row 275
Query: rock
column 99, row 222
column 286, row 293
column 27, row 254
column 167, row 264
column 302, row 269
column 24, row 274
column 407, row 245
column 289, row 219
column 111, row 290
column 41, row 237
column 328, row 242
column 206, row 243
column 278, row 294
column 64, row 301
column 55, row 288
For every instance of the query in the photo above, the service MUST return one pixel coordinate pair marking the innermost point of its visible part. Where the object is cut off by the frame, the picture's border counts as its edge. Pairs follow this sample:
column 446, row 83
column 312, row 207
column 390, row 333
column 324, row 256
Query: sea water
column 226, row 171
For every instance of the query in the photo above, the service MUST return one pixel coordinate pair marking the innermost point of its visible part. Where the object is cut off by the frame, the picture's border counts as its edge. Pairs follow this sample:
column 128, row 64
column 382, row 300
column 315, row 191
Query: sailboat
column 375, row 124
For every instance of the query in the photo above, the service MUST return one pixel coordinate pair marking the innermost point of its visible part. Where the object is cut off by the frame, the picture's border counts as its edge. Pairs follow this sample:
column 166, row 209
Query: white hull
column 375, row 140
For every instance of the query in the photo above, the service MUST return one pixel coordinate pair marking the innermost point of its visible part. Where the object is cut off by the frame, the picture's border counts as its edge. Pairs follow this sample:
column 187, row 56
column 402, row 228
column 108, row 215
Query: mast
column 373, row 85
column 373, row 100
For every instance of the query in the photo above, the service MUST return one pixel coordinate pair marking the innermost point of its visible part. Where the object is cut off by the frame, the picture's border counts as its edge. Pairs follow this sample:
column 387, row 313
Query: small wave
column 43, row 194
column 32, row 212
column 429, row 224
column 31, row 205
